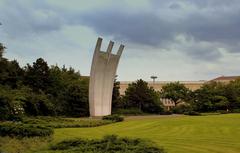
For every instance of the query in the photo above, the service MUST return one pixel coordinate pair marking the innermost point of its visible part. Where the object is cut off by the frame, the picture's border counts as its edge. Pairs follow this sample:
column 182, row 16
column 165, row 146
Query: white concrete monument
column 103, row 71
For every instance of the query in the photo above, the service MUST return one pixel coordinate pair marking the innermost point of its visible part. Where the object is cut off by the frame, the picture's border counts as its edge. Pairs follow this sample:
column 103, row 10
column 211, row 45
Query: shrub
column 23, row 145
column 109, row 144
column 192, row 113
column 167, row 113
column 15, row 118
column 114, row 118
column 235, row 111
column 38, row 104
column 58, row 122
column 182, row 108
column 23, row 130
column 5, row 108
column 222, row 111
column 129, row 111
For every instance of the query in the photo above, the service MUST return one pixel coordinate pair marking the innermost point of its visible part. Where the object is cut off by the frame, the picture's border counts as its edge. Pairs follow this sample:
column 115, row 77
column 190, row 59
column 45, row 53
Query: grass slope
column 196, row 134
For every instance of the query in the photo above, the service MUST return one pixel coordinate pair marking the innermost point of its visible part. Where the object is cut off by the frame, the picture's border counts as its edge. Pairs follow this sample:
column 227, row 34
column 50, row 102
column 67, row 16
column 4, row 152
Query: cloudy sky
column 172, row 39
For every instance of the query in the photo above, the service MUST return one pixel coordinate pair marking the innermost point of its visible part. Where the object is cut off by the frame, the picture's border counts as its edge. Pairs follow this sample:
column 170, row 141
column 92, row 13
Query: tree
column 37, row 75
column 69, row 91
column 40, row 90
column 139, row 95
column 212, row 96
column 232, row 92
column 76, row 97
column 221, row 103
column 115, row 94
column 57, row 82
column 10, row 71
column 2, row 48
column 5, row 107
column 203, row 98
column 175, row 92
column 13, row 74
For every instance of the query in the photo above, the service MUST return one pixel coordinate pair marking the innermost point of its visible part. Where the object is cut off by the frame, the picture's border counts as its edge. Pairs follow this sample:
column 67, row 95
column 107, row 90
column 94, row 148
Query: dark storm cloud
column 149, row 29
column 202, row 4
column 202, row 52
column 140, row 28
column 218, row 27
column 174, row 6
column 213, row 21
column 210, row 21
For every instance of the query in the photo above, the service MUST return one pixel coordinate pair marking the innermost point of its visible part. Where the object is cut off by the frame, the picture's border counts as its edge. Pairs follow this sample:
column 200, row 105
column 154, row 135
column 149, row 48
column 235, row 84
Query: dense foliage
column 215, row 96
column 109, row 144
column 39, row 89
column 175, row 92
column 192, row 113
column 211, row 97
column 127, row 111
column 139, row 95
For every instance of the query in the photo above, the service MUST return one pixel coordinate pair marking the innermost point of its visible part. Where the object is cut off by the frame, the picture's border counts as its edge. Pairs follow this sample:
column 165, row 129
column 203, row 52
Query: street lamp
column 153, row 77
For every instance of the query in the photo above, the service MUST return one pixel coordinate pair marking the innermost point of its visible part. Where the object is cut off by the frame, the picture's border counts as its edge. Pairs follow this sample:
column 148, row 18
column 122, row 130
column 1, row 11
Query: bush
column 130, row 111
column 38, row 104
column 114, row 118
column 109, row 144
column 24, row 130
column 23, row 145
column 58, row 122
column 5, row 108
column 182, row 108
column 235, row 111
column 192, row 113
column 15, row 118
column 166, row 113
column 222, row 111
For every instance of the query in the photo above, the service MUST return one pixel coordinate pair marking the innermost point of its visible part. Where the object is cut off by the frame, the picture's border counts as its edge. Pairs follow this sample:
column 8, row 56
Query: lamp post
column 153, row 77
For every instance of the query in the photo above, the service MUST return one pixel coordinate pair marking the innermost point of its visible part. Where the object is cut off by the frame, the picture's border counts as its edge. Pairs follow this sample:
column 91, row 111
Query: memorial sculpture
column 102, row 75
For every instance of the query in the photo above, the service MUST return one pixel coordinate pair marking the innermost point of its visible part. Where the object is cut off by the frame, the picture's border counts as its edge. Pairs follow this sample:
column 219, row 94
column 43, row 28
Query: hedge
column 109, row 144
column 114, row 118
column 24, row 130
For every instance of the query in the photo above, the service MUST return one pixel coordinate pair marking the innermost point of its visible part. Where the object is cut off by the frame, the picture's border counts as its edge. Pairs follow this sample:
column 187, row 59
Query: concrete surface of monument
column 103, row 71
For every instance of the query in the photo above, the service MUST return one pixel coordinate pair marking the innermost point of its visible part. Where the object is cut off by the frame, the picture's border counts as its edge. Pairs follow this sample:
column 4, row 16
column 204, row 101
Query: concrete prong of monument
column 102, row 75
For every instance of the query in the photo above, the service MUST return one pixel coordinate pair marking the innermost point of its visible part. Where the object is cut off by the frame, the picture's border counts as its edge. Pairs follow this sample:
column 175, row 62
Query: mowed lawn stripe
column 186, row 134
column 205, row 146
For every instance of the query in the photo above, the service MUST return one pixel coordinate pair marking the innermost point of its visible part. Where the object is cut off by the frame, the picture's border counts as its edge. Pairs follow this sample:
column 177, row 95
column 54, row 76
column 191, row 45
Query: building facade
column 157, row 85
column 192, row 85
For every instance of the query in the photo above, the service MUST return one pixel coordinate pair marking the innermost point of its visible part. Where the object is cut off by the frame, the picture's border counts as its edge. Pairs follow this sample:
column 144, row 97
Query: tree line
column 39, row 89
column 210, row 97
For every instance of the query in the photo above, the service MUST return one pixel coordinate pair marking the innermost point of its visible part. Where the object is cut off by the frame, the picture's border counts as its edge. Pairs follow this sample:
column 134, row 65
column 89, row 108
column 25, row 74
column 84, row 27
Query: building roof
column 165, row 82
column 226, row 78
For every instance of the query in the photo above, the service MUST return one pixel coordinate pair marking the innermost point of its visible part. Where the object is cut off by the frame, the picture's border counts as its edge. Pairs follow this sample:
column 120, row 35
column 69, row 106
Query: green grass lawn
column 180, row 134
